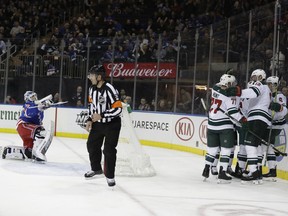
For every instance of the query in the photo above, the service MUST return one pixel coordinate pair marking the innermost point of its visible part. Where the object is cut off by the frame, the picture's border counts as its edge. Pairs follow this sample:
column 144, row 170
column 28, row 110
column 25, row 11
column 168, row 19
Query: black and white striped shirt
column 104, row 101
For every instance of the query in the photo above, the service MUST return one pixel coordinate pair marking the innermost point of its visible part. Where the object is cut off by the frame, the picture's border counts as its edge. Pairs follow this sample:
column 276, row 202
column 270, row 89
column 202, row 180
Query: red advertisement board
column 143, row 70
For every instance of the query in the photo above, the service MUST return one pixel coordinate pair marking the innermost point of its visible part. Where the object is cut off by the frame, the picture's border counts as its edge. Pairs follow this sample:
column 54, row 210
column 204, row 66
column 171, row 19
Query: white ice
column 58, row 187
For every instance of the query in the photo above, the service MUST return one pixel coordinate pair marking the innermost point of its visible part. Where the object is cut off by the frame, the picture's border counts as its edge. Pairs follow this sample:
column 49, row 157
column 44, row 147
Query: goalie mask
column 273, row 83
column 227, row 80
column 30, row 96
column 258, row 75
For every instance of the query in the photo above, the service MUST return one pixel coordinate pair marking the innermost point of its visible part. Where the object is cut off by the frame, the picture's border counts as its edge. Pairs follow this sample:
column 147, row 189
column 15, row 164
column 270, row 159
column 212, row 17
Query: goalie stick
column 52, row 105
column 254, row 134
column 48, row 97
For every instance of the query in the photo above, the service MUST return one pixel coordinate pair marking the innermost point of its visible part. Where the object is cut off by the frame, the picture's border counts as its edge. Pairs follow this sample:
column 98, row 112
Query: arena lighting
column 201, row 87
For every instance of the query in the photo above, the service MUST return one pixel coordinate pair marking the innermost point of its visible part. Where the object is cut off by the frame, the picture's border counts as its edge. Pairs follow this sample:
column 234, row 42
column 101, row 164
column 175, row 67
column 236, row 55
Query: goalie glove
column 275, row 107
column 45, row 105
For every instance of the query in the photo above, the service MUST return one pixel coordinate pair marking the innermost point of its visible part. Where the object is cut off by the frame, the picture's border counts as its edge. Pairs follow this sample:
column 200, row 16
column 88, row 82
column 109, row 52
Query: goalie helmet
column 228, row 80
column 258, row 75
column 30, row 96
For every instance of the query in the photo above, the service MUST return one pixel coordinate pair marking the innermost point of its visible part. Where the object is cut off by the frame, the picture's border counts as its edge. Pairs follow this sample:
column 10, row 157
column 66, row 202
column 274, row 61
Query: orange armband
column 117, row 104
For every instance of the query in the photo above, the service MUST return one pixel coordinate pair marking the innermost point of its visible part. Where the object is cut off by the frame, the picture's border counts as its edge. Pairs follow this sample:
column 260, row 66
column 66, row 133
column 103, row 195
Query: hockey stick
column 254, row 134
column 48, row 97
column 203, row 104
column 52, row 105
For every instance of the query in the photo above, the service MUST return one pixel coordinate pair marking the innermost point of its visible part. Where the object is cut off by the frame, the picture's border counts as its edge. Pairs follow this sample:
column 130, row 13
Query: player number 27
column 215, row 102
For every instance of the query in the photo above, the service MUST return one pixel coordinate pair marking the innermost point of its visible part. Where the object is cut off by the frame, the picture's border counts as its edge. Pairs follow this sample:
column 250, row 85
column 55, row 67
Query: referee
column 103, row 124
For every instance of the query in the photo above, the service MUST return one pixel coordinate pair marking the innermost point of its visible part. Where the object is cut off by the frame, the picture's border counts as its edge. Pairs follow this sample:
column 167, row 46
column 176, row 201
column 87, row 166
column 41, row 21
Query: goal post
column 131, row 158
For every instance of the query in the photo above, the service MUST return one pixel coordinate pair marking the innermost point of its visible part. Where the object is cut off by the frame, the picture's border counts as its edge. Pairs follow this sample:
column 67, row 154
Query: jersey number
column 217, row 102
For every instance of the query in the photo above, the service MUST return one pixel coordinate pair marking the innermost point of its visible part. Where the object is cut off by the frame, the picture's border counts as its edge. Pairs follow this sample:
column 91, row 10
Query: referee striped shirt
column 104, row 101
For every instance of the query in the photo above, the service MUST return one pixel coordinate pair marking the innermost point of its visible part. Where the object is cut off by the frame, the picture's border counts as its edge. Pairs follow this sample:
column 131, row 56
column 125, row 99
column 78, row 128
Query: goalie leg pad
column 42, row 142
column 14, row 153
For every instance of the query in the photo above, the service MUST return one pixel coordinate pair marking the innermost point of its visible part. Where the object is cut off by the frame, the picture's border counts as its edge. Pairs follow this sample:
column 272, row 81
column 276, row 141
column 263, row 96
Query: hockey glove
column 275, row 107
column 244, row 124
column 277, row 154
column 233, row 91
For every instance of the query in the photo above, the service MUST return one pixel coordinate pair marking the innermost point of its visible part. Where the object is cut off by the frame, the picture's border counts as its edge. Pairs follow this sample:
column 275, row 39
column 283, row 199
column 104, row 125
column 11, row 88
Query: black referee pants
column 109, row 133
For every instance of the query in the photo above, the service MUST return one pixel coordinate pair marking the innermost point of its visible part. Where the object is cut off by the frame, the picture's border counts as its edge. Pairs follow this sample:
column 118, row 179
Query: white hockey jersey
column 278, row 118
column 259, row 96
column 222, row 105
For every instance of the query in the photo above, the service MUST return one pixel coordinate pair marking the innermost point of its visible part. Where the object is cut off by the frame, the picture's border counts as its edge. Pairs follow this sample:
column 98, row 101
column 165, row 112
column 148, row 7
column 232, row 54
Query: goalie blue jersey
column 31, row 114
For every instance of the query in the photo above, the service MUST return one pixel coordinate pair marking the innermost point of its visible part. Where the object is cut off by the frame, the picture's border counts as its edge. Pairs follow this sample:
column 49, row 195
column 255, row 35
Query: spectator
column 56, row 98
column 16, row 29
column 128, row 100
column 144, row 105
column 10, row 100
column 79, row 103
column 78, row 97
column 2, row 45
column 145, row 55
column 162, row 105
column 185, row 102
column 170, row 106
column 153, row 105
column 285, row 92
column 122, row 94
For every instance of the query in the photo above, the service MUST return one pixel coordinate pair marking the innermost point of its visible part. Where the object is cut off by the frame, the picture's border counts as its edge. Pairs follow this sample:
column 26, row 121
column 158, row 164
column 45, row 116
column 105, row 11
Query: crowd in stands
column 21, row 19
column 123, row 21
column 123, row 30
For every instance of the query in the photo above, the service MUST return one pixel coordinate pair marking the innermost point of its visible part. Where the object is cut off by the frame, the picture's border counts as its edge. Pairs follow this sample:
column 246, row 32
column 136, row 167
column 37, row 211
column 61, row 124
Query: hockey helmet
column 228, row 80
column 30, row 96
column 98, row 70
column 274, row 80
column 258, row 75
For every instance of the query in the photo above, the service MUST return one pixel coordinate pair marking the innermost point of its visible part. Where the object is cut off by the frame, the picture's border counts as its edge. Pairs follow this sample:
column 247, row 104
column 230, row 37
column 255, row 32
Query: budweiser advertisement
column 143, row 70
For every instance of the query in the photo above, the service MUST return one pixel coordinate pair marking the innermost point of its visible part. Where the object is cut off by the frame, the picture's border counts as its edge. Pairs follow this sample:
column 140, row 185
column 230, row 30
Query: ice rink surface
column 58, row 188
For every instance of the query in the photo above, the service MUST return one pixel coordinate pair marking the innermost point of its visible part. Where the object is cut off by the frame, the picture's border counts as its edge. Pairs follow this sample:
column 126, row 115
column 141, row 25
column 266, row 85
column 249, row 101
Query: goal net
column 131, row 158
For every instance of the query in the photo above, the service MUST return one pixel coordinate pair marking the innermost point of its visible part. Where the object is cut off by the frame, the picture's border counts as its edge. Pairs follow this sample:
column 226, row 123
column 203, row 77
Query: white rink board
column 167, row 128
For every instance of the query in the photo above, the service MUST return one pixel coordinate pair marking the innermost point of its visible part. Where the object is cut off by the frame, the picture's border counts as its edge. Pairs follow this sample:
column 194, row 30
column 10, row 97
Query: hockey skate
column 230, row 171
column 238, row 172
column 111, row 182
column 260, row 177
column 206, row 171
column 214, row 171
column 251, row 177
column 271, row 175
column 222, row 177
column 93, row 174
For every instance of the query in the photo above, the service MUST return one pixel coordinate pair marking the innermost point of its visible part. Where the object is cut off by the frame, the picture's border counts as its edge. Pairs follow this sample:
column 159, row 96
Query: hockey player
column 259, row 118
column 278, row 112
column 31, row 131
column 221, row 133
column 104, row 124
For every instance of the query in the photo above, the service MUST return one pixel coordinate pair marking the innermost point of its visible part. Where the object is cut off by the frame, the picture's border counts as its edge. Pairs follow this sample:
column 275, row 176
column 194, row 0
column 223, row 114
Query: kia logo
column 184, row 129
